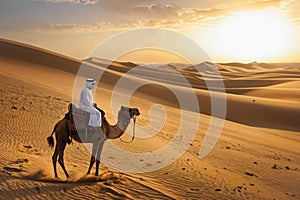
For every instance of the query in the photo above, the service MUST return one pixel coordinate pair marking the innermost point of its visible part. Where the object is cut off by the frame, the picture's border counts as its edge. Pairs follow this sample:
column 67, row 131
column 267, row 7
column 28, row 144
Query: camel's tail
column 50, row 138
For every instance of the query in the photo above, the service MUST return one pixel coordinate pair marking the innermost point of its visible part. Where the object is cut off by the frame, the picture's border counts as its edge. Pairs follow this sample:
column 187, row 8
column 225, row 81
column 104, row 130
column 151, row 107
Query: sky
column 228, row 31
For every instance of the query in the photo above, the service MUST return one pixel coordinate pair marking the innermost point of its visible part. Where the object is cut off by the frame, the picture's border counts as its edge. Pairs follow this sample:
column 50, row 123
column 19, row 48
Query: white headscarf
column 90, row 83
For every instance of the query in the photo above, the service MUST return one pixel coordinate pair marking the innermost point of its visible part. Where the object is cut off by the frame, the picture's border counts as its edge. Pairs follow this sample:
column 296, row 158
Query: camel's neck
column 118, row 130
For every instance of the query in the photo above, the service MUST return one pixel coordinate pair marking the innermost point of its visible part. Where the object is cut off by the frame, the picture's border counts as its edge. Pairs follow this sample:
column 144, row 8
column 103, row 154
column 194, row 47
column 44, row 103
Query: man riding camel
column 86, row 103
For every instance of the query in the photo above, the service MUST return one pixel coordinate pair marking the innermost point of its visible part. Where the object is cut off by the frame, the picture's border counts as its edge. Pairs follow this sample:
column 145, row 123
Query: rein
column 133, row 132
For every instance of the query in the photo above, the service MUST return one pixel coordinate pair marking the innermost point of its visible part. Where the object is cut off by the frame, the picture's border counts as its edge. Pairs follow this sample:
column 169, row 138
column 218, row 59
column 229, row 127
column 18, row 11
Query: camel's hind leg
column 61, row 150
column 54, row 160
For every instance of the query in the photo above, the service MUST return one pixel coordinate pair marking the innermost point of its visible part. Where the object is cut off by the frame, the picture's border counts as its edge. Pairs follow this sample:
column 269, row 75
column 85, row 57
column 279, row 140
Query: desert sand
column 256, row 157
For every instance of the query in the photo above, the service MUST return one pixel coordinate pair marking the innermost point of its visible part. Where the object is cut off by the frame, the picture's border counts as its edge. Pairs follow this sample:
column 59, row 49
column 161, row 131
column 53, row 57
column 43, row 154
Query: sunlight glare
column 251, row 36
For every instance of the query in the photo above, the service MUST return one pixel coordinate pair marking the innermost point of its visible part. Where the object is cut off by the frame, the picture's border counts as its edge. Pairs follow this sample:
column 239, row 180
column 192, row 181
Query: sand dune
column 256, row 157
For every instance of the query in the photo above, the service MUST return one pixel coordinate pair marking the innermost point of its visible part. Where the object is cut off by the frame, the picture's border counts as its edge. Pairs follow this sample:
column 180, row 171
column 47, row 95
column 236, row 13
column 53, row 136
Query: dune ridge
column 259, row 92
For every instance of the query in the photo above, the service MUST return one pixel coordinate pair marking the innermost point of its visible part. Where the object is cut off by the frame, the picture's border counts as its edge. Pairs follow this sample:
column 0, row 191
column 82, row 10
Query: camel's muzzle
column 134, row 112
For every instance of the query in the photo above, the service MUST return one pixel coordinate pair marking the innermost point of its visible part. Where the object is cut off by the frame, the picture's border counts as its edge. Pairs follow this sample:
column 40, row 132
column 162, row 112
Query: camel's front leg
column 92, row 161
column 100, row 147
column 61, row 158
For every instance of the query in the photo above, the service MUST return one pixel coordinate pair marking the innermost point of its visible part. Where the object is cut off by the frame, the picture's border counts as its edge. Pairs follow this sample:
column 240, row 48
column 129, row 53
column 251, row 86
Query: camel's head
column 134, row 112
column 130, row 112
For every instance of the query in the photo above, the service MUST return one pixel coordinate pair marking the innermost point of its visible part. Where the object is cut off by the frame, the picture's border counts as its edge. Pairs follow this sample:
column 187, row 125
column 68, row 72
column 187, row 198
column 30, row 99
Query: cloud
column 103, row 26
column 136, row 14
column 292, row 6
column 73, row 1
column 154, row 16
column 197, row 15
column 130, row 14
column 265, row 3
column 139, row 10
column 74, row 28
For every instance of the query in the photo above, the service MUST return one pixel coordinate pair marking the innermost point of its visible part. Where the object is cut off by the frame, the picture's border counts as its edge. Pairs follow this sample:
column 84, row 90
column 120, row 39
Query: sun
column 252, row 36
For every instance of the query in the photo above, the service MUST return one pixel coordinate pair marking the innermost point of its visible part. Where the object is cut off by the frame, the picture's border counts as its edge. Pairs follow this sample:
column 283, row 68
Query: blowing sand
column 256, row 157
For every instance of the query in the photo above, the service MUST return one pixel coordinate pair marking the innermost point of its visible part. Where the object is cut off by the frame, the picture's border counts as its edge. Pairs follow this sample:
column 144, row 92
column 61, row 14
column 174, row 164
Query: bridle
column 133, row 131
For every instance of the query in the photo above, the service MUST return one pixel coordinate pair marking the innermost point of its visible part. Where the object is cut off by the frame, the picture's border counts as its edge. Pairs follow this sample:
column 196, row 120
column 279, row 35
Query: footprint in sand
column 20, row 161
column 19, row 168
column 28, row 149
column 12, row 169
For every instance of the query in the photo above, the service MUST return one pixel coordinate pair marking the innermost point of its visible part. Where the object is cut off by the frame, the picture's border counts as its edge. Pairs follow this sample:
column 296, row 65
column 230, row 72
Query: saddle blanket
column 79, row 119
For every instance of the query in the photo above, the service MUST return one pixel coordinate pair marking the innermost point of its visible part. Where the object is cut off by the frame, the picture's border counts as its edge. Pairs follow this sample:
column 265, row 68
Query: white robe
column 86, row 103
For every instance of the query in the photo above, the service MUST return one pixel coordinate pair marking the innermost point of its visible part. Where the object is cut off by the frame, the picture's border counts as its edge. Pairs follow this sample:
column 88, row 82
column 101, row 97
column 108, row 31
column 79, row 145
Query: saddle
column 78, row 118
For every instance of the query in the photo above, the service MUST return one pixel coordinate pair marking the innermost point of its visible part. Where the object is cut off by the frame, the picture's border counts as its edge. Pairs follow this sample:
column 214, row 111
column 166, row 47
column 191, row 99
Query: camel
column 97, row 136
